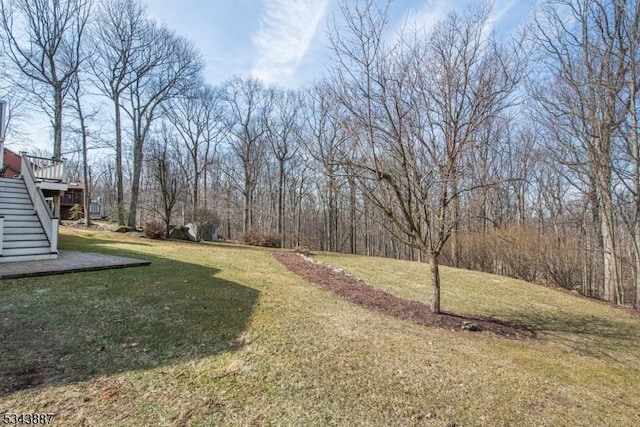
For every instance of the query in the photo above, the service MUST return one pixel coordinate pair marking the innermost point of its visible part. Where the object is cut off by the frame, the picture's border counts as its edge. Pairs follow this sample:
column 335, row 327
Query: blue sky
column 284, row 41
column 279, row 41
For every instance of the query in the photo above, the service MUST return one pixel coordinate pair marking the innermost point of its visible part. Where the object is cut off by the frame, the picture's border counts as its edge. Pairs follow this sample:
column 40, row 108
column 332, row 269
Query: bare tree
column 76, row 94
column 197, row 117
column 628, row 167
column 165, row 173
column 167, row 66
column 117, row 42
column 412, row 112
column 583, row 54
column 246, row 114
column 282, row 127
column 323, row 139
column 43, row 40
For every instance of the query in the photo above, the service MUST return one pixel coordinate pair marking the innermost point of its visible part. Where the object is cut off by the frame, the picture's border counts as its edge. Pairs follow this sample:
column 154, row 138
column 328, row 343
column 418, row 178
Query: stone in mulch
column 356, row 291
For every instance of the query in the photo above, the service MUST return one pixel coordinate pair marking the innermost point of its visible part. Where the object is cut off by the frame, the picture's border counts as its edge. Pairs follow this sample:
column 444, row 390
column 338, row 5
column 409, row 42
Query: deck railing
column 48, row 221
column 45, row 169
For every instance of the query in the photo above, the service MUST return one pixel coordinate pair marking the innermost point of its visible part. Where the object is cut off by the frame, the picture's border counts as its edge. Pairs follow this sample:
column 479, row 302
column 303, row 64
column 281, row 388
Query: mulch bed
column 356, row 291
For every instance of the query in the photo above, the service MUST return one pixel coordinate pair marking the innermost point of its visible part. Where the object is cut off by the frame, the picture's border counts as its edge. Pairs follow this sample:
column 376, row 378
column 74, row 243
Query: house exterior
column 75, row 196
column 28, row 189
column 96, row 208
column 11, row 161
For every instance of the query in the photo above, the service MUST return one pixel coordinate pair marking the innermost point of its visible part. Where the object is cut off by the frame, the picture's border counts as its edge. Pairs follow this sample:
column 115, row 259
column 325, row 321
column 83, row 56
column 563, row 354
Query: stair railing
column 40, row 205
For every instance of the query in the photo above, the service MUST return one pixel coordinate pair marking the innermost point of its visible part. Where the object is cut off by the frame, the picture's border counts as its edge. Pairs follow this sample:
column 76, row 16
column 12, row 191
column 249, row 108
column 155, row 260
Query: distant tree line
column 451, row 145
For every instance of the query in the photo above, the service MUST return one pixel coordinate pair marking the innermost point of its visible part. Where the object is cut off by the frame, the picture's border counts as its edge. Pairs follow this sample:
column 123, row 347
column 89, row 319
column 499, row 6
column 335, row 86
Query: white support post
column 54, row 235
column 3, row 128
column 1, row 234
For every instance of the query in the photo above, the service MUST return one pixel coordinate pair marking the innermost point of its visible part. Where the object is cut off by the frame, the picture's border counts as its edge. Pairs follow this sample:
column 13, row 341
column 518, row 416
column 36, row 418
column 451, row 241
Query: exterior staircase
column 22, row 234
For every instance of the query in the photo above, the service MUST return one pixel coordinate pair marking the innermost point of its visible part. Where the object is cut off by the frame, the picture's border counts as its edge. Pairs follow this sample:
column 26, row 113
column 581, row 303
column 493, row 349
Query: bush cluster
column 523, row 253
column 266, row 240
column 154, row 229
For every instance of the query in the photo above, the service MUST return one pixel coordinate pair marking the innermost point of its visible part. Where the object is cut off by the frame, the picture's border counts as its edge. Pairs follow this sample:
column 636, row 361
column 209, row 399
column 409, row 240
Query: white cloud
column 499, row 12
column 431, row 13
column 287, row 28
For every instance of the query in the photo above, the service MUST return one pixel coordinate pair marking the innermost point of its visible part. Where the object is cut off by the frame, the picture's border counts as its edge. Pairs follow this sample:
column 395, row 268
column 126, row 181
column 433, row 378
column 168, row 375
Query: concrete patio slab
column 67, row 262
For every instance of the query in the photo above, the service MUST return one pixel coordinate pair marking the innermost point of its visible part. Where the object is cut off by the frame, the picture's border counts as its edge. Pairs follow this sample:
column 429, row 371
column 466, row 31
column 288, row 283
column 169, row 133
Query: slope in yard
column 358, row 292
column 215, row 334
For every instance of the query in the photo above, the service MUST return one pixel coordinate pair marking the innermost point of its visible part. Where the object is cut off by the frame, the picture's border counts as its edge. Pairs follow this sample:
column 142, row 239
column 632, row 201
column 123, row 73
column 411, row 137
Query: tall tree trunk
column 597, row 242
column 281, row 230
column 196, row 189
column 205, row 201
column 352, row 216
column 636, row 276
column 455, row 216
column 608, row 258
column 119, row 172
column 521, row 205
column 635, row 155
column 612, row 289
column 135, row 182
column 57, row 122
column 332, row 215
column 229, row 213
column 246, row 217
column 85, row 173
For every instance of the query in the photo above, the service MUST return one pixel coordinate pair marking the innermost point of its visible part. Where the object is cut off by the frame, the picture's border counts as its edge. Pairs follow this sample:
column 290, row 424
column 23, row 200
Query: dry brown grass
column 224, row 335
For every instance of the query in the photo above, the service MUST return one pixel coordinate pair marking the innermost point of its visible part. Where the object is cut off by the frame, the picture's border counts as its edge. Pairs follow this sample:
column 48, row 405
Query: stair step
column 21, row 212
column 15, row 201
column 13, row 195
column 9, row 182
column 26, row 251
column 23, row 236
column 21, row 216
column 15, row 244
column 32, row 236
column 20, row 204
column 21, row 223
column 19, row 231
column 18, row 258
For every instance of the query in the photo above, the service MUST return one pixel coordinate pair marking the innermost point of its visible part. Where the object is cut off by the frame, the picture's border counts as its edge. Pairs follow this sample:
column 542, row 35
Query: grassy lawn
column 215, row 334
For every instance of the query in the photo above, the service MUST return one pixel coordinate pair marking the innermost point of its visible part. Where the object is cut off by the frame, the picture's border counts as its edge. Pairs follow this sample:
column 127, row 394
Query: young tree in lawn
column 412, row 111
column 43, row 39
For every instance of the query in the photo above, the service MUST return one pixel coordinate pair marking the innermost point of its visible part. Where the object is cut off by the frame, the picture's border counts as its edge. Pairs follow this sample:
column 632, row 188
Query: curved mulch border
column 365, row 295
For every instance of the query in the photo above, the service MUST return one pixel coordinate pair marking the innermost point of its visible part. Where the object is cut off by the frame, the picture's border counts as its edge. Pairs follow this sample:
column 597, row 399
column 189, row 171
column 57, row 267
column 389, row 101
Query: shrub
column 76, row 212
column 154, row 229
column 266, row 240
